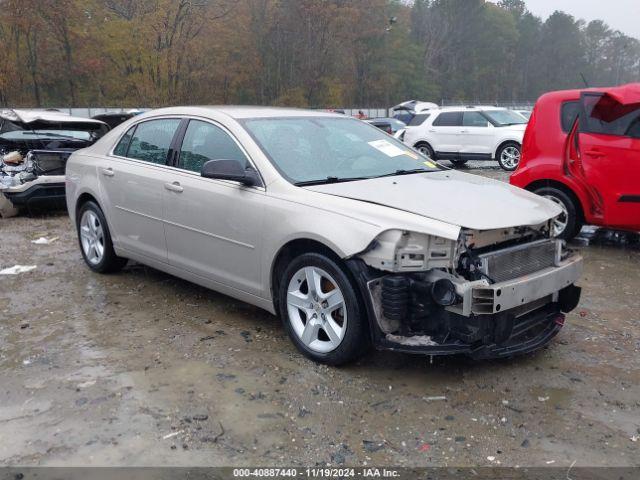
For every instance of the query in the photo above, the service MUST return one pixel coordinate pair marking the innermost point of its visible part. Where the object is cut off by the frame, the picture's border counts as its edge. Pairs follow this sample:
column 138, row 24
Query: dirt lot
column 140, row 368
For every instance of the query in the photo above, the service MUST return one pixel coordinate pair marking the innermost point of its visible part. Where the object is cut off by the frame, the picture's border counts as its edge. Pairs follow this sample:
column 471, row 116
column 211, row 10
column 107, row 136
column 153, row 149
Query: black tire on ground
column 573, row 219
column 356, row 338
column 458, row 163
column 503, row 165
column 426, row 149
column 110, row 262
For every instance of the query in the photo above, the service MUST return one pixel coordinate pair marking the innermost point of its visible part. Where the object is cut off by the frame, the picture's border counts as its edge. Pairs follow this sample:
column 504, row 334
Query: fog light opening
column 443, row 292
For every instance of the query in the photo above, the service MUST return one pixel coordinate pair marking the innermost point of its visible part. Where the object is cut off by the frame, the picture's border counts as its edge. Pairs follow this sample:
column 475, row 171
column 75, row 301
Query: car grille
column 520, row 260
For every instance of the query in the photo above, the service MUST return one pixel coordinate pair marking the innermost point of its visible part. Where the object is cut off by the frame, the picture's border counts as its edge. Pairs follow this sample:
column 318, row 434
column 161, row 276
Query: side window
column 448, row 119
column 604, row 115
column 474, row 119
column 634, row 127
column 123, row 144
column 204, row 141
column 419, row 119
column 152, row 139
column 568, row 114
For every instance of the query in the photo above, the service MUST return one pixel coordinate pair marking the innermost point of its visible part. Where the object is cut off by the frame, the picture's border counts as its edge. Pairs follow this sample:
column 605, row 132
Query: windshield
column 322, row 149
column 502, row 118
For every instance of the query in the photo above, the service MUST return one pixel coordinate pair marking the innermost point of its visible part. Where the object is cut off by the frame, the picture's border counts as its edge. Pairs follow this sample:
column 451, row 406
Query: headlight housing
column 404, row 251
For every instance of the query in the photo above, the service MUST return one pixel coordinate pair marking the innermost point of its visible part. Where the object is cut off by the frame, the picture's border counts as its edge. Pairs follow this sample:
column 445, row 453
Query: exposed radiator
column 514, row 262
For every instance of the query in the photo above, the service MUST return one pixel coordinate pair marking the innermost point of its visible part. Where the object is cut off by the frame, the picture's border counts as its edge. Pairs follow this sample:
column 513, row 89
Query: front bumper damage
column 489, row 320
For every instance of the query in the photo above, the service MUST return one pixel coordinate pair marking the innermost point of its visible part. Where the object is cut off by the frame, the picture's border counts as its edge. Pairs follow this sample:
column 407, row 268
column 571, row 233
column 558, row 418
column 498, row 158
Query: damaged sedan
column 351, row 237
column 34, row 148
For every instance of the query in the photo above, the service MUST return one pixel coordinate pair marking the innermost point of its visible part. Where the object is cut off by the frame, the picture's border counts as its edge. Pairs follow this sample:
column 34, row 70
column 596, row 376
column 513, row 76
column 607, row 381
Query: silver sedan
column 351, row 237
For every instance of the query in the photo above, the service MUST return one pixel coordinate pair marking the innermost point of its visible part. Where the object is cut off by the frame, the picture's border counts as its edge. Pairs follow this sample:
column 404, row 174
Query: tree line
column 317, row 53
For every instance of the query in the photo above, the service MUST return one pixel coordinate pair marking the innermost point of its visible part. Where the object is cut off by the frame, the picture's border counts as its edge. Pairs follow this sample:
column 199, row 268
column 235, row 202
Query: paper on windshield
column 387, row 148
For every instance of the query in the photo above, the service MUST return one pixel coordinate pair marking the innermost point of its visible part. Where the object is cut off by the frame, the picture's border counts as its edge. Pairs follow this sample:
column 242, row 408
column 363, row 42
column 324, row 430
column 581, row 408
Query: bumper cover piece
column 39, row 193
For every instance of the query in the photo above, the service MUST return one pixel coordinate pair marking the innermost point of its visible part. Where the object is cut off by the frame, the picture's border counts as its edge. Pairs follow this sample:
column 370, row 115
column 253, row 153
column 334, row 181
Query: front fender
column 290, row 221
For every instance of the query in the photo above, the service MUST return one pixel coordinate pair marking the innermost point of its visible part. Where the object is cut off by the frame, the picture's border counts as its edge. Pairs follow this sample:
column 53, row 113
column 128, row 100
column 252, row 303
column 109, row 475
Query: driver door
column 213, row 227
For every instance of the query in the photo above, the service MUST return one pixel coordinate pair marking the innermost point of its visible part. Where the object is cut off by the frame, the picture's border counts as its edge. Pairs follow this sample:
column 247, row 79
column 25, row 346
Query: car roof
column 243, row 112
column 462, row 108
column 626, row 94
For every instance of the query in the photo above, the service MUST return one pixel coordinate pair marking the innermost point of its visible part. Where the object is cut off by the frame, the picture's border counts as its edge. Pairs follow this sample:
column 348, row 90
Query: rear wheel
column 95, row 240
column 321, row 311
column 508, row 156
column 568, row 224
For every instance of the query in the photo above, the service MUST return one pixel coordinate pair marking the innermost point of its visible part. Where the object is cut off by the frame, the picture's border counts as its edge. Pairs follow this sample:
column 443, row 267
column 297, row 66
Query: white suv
column 460, row 134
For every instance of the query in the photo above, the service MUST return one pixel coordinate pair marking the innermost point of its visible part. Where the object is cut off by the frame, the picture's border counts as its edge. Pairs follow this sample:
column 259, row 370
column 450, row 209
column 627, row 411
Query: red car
column 581, row 150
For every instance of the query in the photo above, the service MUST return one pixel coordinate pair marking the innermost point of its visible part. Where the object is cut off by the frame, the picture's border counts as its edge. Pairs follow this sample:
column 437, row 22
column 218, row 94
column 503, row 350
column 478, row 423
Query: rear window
column 123, row 144
column 448, row 119
column 568, row 114
column 419, row 119
column 603, row 115
column 152, row 139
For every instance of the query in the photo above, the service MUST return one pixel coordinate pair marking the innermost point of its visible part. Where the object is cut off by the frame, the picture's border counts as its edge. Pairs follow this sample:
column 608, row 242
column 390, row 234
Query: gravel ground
column 140, row 368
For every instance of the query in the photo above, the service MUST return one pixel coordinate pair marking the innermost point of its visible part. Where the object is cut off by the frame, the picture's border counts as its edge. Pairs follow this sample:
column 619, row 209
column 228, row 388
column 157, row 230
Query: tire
column 508, row 156
column 569, row 223
column 336, row 335
column 95, row 240
column 458, row 163
column 425, row 149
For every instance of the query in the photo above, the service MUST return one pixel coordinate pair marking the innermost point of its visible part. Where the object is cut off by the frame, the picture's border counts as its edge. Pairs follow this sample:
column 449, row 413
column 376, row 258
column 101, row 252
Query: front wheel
column 567, row 225
column 508, row 156
column 321, row 311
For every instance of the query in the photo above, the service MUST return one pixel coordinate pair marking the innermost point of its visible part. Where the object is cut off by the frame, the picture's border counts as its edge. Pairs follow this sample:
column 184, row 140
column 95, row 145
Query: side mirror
column 229, row 170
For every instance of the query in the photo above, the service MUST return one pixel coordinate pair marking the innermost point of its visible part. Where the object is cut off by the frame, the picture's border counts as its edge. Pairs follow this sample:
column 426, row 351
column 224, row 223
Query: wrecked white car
column 34, row 148
column 350, row 236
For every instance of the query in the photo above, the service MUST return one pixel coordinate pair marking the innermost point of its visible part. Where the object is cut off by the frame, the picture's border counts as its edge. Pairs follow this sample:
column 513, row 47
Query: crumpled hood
column 457, row 198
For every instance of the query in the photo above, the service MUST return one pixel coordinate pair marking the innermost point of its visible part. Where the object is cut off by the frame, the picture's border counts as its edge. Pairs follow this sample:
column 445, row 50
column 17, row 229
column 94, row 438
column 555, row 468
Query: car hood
column 456, row 198
column 515, row 128
column 43, row 116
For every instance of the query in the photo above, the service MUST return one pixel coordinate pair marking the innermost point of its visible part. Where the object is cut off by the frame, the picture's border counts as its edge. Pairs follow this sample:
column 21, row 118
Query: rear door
column 446, row 134
column 609, row 145
column 131, row 180
column 477, row 135
column 214, row 227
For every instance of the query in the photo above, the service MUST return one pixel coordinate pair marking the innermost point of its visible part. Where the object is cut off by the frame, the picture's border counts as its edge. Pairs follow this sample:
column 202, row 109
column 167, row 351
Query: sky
column 623, row 15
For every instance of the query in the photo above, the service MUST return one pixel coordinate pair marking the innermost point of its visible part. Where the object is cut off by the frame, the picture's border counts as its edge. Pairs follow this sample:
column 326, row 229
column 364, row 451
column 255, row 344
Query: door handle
column 432, row 131
column 594, row 153
column 107, row 172
column 174, row 187
column 464, row 131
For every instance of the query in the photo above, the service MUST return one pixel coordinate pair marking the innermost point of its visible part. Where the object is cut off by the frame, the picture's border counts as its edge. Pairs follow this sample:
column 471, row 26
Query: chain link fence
column 366, row 112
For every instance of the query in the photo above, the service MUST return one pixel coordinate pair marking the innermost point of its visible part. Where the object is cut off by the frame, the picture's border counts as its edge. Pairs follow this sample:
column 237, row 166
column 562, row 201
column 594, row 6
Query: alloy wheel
column 426, row 151
column 510, row 157
column 560, row 223
column 316, row 309
column 92, row 237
